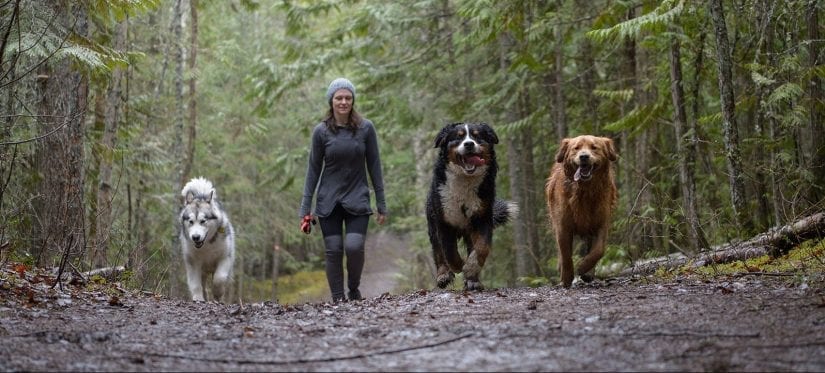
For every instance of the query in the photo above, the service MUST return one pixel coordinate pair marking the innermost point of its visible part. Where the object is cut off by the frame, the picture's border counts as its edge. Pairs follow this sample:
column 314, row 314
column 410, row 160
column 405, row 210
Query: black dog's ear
column 489, row 134
column 439, row 139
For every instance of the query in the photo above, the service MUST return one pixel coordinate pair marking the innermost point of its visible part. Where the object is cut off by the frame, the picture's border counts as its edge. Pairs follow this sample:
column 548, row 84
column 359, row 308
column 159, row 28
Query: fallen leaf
column 115, row 301
column 20, row 268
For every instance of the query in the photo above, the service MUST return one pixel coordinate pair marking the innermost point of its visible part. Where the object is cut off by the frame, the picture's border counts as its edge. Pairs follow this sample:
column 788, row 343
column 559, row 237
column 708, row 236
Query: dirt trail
column 383, row 250
column 754, row 322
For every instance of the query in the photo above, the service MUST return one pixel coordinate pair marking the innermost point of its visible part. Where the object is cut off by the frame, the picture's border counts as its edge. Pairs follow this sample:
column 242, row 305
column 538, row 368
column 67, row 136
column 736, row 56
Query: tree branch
column 305, row 361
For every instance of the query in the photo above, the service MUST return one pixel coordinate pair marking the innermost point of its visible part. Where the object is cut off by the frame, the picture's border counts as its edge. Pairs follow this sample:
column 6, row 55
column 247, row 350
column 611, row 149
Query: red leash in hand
column 306, row 227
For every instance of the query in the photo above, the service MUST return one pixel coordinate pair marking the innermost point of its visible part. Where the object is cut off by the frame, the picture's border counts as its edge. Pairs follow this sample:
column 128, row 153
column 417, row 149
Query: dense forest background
column 109, row 106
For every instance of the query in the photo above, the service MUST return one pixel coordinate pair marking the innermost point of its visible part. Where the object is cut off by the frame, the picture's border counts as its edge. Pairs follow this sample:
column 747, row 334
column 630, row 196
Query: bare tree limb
column 6, row 34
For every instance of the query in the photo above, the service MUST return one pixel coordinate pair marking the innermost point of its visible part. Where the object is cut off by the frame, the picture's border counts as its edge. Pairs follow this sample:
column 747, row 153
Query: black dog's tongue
column 583, row 173
column 476, row 160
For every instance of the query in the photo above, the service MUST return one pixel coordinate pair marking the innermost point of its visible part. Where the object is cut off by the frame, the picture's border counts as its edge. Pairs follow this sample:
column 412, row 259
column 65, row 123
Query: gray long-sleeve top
column 337, row 168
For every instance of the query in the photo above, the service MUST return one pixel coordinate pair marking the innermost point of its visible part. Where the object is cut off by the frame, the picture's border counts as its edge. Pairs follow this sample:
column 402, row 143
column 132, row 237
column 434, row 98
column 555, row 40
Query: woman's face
column 342, row 101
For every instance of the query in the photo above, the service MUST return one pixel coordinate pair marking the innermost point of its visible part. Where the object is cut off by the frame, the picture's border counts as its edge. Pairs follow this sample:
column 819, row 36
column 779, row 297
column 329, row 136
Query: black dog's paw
column 445, row 279
column 587, row 277
column 473, row 285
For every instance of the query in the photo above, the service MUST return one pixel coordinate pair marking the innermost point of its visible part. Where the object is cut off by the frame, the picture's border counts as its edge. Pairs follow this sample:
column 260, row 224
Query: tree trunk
column 523, row 260
column 520, row 246
column 816, row 128
column 276, row 257
column 176, row 277
column 59, row 159
column 729, row 125
column 107, row 148
column 764, row 14
column 686, row 150
column 636, row 156
column 588, row 84
column 532, row 193
column 587, row 69
column 558, row 96
column 93, row 176
column 189, row 154
column 643, row 183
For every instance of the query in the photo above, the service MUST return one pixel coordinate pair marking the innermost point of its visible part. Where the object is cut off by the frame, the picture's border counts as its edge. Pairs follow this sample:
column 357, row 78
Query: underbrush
column 301, row 287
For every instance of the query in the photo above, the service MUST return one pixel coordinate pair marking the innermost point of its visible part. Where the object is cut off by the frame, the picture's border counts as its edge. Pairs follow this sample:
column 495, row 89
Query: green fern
column 621, row 95
column 636, row 119
column 665, row 13
column 784, row 93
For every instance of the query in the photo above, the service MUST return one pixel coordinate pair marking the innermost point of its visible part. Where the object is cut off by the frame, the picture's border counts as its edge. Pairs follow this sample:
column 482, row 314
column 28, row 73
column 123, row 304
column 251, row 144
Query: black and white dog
column 207, row 239
column 462, row 201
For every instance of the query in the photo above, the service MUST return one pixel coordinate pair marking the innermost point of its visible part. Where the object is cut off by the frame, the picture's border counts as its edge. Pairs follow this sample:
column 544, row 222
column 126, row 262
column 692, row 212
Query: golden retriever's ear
column 611, row 149
column 562, row 150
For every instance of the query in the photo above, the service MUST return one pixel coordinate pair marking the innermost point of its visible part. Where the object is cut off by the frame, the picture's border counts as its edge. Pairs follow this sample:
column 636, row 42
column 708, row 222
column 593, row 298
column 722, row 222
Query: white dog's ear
column 190, row 197
column 211, row 195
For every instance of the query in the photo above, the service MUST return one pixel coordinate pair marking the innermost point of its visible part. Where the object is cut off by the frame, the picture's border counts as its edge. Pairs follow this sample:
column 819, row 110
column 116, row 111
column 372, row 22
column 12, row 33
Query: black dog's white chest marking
column 459, row 197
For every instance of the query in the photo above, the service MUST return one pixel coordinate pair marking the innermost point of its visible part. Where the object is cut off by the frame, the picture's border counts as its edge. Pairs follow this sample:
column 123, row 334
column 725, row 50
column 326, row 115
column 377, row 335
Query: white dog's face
column 200, row 222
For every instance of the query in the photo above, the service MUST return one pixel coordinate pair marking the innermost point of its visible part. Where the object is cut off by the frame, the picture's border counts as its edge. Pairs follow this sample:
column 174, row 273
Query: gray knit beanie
column 338, row 84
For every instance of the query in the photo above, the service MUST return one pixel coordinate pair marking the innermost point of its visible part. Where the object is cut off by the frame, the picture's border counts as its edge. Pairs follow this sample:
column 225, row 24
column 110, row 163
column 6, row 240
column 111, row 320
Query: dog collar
column 221, row 230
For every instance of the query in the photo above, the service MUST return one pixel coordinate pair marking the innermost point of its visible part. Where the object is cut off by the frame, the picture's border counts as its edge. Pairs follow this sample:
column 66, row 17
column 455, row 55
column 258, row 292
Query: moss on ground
column 806, row 258
column 301, row 287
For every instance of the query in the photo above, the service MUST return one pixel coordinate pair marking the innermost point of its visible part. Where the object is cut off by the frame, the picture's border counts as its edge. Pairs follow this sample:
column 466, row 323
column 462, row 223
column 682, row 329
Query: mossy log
column 776, row 241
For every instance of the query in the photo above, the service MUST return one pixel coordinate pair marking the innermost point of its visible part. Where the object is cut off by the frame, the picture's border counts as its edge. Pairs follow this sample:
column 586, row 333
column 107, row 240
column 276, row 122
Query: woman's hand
column 380, row 218
column 306, row 224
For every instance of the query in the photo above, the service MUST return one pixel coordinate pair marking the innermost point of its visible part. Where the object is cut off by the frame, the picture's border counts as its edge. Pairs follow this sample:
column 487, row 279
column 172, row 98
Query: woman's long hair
column 353, row 122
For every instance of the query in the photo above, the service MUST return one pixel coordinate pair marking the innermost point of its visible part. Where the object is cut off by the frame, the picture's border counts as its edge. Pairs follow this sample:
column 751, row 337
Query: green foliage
column 534, row 282
column 302, row 287
column 787, row 92
column 623, row 95
column 654, row 21
column 118, row 10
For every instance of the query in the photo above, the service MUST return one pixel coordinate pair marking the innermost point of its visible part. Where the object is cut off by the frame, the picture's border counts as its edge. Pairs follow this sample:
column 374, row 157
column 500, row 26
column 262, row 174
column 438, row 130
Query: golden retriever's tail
column 504, row 211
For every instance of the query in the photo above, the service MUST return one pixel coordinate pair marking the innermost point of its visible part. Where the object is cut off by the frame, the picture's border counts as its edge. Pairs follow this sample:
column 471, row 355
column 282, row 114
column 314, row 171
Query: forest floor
column 746, row 322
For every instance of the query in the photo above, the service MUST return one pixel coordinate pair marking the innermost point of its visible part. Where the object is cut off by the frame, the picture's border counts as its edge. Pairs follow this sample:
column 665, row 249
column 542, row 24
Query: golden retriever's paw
column 473, row 285
column 444, row 279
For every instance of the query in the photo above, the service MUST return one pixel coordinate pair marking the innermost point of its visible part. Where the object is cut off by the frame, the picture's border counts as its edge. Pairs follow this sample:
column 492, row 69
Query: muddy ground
column 753, row 322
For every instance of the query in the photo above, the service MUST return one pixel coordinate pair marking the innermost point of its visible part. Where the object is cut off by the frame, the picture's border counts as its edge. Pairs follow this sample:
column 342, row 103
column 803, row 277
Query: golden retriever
column 581, row 196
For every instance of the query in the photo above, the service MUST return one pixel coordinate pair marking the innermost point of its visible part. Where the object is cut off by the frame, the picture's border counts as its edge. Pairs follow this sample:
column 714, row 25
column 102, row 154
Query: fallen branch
column 304, row 361
column 109, row 273
column 776, row 240
column 106, row 272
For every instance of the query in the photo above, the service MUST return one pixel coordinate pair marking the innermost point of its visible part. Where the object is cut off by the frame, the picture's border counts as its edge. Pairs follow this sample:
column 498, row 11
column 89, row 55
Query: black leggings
column 336, row 243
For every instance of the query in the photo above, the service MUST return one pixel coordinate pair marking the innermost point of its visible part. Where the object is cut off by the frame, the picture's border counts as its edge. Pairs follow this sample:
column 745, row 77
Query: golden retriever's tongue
column 583, row 172
column 475, row 160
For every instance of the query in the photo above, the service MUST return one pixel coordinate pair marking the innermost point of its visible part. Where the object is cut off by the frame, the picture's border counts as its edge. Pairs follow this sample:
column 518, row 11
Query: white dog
column 207, row 238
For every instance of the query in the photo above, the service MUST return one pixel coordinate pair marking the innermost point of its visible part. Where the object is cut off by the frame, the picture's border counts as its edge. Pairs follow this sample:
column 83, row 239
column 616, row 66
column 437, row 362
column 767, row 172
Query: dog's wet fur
column 462, row 202
column 207, row 240
column 581, row 196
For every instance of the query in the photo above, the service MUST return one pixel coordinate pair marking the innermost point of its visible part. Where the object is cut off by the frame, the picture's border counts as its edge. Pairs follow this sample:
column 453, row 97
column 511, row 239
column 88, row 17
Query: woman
column 345, row 149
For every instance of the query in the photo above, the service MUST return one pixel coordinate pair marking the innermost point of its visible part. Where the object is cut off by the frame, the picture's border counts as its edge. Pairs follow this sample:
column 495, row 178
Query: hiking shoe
column 355, row 295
